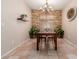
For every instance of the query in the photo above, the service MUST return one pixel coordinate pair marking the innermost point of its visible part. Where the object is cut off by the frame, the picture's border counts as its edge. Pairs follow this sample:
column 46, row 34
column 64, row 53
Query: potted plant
column 33, row 31
column 59, row 32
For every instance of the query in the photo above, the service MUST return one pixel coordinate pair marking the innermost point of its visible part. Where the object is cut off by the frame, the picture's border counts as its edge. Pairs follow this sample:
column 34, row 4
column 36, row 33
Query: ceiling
column 56, row 4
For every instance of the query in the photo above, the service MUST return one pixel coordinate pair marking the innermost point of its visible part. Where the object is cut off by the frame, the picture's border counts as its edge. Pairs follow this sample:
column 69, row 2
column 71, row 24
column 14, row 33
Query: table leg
column 38, row 40
column 55, row 42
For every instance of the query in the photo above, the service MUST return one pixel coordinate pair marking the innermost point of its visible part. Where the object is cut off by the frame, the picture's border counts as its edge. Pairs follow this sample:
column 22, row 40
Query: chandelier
column 46, row 7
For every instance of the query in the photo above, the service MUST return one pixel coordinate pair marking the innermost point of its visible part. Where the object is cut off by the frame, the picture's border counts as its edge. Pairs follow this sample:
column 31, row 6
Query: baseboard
column 14, row 48
column 69, row 42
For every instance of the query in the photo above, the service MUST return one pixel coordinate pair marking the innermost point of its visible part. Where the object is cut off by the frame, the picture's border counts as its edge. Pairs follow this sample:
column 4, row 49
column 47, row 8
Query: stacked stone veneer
column 56, row 18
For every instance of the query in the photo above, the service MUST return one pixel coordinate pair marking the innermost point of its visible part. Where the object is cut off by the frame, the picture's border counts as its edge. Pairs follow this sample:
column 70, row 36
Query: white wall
column 13, row 31
column 70, row 28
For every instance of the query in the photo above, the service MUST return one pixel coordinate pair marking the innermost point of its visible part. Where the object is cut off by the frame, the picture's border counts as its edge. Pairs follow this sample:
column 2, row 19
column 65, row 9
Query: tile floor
column 28, row 51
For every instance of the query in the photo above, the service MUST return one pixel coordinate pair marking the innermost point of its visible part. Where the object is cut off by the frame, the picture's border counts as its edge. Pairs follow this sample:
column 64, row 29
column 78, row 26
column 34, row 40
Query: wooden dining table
column 52, row 35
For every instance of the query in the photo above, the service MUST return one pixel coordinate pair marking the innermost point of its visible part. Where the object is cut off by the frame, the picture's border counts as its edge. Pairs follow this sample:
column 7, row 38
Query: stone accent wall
column 56, row 18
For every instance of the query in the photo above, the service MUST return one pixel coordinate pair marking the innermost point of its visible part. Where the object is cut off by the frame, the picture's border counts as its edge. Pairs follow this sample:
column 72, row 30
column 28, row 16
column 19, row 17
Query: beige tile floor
column 28, row 51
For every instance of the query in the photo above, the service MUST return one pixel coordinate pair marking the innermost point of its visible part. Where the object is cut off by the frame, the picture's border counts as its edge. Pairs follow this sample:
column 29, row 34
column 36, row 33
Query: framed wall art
column 71, row 14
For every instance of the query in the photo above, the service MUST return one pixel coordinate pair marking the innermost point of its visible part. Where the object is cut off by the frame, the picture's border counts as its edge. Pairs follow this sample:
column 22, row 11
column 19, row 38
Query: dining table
column 46, row 35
